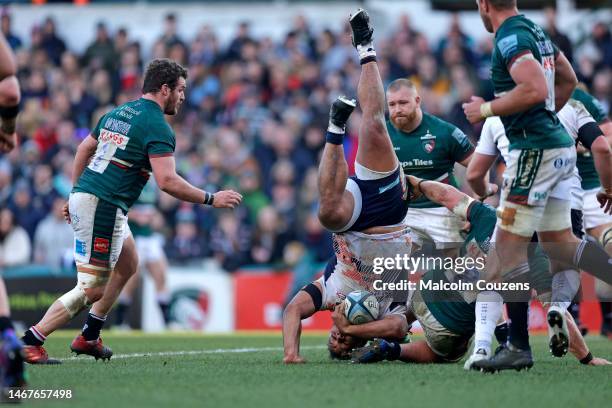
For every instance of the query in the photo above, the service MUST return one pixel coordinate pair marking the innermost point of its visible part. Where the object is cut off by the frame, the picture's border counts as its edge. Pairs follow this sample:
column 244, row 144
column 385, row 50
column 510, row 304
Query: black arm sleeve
column 588, row 133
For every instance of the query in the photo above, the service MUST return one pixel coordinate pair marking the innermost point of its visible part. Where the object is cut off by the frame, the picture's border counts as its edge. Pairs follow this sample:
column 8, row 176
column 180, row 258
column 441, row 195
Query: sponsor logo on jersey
column 417, row 163
column 558, row 163
column 101, row 245
column 118, row 139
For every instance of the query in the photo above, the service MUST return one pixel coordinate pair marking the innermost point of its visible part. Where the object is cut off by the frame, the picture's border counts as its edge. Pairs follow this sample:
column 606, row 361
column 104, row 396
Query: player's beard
column 403, row 121
column 172, row 106
column 486, row 20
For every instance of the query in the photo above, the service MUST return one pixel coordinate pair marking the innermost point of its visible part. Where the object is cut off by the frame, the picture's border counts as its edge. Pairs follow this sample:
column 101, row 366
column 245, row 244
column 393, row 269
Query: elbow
column 601, row 147
column 9, row 91
column 165, row 183
column 536, row 94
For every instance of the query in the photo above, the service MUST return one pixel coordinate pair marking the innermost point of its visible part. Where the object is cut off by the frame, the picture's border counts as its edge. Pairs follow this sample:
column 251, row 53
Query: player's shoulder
column 439, row 124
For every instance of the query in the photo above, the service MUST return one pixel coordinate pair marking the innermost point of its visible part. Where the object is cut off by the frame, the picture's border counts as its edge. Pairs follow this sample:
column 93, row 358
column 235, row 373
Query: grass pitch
column 247, row 371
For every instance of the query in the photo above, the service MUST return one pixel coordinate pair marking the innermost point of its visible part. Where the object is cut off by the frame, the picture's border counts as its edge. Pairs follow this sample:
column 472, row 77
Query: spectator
column 15, row 247
column 267, row 245
column 54, row 238
column 53, row 45
column 101, row 54
column 5, row 26
column 561, row 40
column 230, row 242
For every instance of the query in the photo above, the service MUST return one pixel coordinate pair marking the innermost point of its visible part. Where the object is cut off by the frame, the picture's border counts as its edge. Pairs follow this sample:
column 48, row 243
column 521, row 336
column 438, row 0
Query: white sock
column 565, row 285
column 335, row 129
column 366, row 50
column 488, row 312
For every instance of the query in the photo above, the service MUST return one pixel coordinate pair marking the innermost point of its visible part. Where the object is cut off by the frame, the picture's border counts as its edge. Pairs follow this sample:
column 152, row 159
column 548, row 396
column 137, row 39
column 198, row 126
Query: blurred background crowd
column 254, row 120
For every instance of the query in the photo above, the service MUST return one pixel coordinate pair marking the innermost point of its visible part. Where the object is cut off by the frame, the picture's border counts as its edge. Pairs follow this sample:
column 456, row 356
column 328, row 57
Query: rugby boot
column 506, row 358
column 93, row 348
column 340, row 111
column 479, row 355
column 373, row 352
column 362, row 31
column 37, row 355
column 13, row 371
column 558, row 334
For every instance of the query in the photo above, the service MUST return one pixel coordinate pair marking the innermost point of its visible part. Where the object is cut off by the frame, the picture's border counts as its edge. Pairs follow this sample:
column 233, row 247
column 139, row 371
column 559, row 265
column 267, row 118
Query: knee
column 94, row 294
column 331, row 217
column 9, row 92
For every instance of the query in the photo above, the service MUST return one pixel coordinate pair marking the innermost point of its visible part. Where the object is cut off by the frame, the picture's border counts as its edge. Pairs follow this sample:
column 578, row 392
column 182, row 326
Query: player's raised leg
column 375, row 150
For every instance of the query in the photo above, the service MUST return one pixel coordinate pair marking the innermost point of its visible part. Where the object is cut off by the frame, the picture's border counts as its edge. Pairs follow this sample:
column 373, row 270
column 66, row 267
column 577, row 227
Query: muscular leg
column 125, row 299
column 375, row 150
column 158, row 269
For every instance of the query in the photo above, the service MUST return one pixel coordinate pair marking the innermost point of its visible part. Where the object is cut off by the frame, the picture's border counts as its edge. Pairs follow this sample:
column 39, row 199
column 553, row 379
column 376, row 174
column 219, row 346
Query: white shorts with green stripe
column 100, row 229
column 536, row 195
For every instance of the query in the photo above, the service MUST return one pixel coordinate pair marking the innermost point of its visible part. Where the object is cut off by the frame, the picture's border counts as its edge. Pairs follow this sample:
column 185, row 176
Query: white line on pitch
column 196, row 352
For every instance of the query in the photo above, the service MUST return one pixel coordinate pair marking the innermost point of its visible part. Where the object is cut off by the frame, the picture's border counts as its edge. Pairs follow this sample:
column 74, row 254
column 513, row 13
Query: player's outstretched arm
column 443, row 194
column 565, row 81
column 578, row 346
column 476, row 174
column 394, row 326
column 301, row 307
column 164, row 170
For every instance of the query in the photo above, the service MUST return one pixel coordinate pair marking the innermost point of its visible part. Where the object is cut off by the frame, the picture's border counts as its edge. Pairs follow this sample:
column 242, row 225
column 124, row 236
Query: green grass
column 259, row 379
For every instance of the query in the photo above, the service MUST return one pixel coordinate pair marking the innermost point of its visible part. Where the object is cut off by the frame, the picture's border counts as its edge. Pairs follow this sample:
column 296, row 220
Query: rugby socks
column 390, row 349
column 33, row 337
column 122, row 310
column 565, row 285
column 93, row 325
column 488, row 312
column 366, row 53
column 163, row 301
column 590, row 256
column 518, row 335
column 501, row 333
column 5, row 323
column 606, row 314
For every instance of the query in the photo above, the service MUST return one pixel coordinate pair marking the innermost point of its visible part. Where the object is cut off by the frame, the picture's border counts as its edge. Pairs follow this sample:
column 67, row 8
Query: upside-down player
column 111, row 167
column 448, row 318
column 365, row 212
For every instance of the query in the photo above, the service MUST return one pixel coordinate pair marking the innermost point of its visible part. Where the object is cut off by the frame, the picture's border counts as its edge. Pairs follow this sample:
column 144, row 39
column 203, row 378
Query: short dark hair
column 503, row 4
column 400, row 83
column 162, row 71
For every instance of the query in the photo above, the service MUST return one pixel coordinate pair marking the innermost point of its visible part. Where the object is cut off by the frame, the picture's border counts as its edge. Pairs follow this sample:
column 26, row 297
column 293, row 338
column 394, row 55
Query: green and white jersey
column 430, row 152
column 127, row 137
column 482, row 218
column 538, row 127
column 584, row 162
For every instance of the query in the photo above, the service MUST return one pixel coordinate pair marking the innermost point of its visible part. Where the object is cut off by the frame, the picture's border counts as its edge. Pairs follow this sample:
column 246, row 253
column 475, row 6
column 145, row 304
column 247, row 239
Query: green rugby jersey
column 430, row 152
column 538, row 127
column 127, row 137
column 584, row 162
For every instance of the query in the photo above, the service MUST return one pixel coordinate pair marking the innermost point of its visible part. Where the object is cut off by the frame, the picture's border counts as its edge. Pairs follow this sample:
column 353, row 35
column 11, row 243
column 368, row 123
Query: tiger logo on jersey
column 429, row 146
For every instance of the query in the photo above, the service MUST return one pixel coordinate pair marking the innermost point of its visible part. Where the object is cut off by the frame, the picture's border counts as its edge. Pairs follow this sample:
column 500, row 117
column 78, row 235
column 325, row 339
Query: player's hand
column 413, row 187
column 492, row 189
column 605, row 200
column 598, row 361
column 227, row 199
column 472, row 109
column 294, row 359
column 340, row 319
column 7, row 141
column 66, row 213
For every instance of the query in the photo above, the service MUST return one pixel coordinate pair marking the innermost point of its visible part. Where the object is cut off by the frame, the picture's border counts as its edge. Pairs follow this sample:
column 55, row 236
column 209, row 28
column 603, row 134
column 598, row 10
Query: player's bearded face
column 403, row 105
column 486, row 20
column 175, row 98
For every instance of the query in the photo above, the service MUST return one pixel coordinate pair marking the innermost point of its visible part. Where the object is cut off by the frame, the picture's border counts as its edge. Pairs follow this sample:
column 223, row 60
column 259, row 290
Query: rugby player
column 151, row 256
column 448, row 318
column 427, row 147
column 566, row 280
column 530, row 78
column 597, row 223
column 111, row 167
column 365, row 211
column 11, row 359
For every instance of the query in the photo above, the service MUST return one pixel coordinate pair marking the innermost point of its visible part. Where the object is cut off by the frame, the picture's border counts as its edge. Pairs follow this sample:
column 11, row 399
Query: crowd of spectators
column 254, row 120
